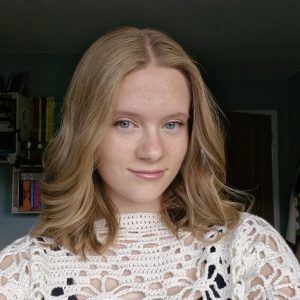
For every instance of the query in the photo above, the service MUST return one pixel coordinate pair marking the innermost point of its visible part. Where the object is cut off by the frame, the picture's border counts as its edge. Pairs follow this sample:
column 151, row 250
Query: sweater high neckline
column 134, row 220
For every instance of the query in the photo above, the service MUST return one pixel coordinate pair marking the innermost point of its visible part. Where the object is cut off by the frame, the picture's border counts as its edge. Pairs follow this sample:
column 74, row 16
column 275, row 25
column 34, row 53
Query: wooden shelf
column 20, row 111
column 25, row 189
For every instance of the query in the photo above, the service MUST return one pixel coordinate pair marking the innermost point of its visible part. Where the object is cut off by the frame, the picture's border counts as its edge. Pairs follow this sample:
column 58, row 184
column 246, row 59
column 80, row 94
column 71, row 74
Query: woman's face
column 147, row 142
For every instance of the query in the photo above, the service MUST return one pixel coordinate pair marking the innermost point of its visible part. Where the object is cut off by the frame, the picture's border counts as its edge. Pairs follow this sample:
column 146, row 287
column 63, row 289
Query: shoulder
column 262, row 262
column 17, row 247
column 250, row 224
column 254, row 229
column 248, row 218
column 22, row 245
column 18, row 253
column 15, row 267
column 255, row 233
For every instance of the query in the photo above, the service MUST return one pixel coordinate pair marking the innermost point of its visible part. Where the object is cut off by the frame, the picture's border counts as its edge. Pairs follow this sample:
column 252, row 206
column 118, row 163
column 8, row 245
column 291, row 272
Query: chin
column 147, row 200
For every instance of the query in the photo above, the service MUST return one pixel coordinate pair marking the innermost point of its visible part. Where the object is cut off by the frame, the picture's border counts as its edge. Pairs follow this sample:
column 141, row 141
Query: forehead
column 154, row 90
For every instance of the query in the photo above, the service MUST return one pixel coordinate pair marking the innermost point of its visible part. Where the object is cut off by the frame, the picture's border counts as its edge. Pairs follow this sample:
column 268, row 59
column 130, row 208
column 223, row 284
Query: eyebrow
column 134, row 114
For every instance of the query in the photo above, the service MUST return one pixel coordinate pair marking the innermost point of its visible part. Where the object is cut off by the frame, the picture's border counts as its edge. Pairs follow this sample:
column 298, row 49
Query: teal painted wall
column 12, row 226
column 264, row 95
column 294, row 102
column 50, row 75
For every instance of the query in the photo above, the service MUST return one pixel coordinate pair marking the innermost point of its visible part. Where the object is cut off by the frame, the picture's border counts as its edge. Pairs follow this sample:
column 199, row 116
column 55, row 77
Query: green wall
column 50, row 74
column 12, row 226
column 264, row 95
column 294, row 122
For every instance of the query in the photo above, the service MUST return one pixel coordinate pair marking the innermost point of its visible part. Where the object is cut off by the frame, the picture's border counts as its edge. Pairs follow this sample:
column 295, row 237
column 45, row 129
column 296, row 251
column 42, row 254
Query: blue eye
column 171, row 125
column 124, row 124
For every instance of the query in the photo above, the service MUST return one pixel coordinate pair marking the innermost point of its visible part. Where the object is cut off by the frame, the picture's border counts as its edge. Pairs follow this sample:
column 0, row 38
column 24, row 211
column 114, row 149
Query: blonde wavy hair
column 72, row 191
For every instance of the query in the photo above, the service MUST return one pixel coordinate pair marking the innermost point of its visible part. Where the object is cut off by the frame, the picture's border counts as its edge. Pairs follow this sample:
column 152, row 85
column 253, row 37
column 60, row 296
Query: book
column 40, row 117
column 43, row 119
column 20, row 193
column 57, row 114
column 29, row 197
column 36, row 188
column 51, row 117
column 26, row 195
column 46, row 118
column 31, row 194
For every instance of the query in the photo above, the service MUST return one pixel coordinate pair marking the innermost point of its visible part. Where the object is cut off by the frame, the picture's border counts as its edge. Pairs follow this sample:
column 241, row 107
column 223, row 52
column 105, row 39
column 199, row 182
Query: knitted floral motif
column 148, row 262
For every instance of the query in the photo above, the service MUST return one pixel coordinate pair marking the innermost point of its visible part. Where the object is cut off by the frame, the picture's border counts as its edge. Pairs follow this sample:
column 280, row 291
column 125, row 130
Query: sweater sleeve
column 14, row 270
column 264, row 266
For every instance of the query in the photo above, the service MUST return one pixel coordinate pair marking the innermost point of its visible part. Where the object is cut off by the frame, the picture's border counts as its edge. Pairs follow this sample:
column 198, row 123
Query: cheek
column 105, row 150
column 113, row 157
column 182, row 153
column 103, row 159
column 177, row 151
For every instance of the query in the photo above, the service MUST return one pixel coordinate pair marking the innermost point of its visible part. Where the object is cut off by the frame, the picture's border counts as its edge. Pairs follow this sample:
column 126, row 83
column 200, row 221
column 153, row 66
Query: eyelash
column 120, row 121
column 179, row 124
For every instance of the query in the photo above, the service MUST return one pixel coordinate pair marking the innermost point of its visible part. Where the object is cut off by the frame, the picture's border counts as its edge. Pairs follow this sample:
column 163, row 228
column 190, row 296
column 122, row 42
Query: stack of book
column 46, row 118
column 29, row 190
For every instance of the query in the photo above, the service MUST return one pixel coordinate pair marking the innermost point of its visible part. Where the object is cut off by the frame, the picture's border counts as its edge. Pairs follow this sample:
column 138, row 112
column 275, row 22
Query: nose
column 150, row 146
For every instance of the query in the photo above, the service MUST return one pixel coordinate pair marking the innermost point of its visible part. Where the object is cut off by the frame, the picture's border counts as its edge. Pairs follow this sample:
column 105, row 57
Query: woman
column 134, row 194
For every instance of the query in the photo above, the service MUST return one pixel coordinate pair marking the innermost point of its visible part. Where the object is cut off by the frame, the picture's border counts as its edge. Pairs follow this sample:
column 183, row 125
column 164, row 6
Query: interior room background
column 248, row 52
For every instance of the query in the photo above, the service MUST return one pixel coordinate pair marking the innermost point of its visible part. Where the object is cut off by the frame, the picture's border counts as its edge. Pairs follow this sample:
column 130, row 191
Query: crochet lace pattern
column 148, row 262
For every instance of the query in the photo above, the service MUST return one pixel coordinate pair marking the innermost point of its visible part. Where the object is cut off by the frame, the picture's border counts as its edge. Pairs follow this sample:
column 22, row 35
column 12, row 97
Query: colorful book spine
column 46, row 119
column 36, row 188
column 40, row 118
column 29, row 191
column 51, row 125
column 26, row 195
column 57, row 114
column 43, row 129
column 31, row 194
column 20, row 193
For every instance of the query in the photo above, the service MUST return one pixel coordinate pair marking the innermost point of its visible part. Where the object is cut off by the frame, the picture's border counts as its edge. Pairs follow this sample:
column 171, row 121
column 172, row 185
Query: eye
column 123, row 124
column 172, row 125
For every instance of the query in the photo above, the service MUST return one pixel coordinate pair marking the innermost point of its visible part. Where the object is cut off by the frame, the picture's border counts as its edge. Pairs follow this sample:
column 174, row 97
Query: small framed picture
column 16, row 82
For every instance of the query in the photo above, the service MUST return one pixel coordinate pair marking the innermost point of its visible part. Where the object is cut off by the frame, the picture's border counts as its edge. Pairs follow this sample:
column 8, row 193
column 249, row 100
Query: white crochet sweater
column 148, row 262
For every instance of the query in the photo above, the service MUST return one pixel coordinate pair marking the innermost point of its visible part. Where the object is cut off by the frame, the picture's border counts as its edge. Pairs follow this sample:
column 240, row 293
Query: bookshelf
column 15, row 124
column 25, row 189
column 27, row 125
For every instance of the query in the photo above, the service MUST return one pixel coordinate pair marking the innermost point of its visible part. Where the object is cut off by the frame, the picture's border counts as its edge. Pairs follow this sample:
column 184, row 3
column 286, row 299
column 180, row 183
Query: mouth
column 148, row 174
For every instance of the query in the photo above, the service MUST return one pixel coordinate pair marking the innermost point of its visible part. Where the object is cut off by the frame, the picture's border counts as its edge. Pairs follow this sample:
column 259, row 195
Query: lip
column 148, row 174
